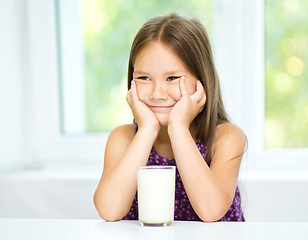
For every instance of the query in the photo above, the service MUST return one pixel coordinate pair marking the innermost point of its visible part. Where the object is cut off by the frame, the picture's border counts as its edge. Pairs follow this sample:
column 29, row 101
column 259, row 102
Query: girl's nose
column 158, row 92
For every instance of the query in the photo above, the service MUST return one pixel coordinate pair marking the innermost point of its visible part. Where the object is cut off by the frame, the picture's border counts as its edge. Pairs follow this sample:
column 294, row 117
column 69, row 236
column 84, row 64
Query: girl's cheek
column 175, row 92
column 143, row 89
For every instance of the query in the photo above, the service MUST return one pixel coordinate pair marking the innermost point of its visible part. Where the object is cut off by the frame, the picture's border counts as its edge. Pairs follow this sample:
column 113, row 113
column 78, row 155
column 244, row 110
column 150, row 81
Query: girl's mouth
column 158, row 108
column 161, row 107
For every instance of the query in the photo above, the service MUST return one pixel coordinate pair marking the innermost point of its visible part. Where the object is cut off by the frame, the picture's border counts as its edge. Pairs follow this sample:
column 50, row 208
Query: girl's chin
column 163, row 120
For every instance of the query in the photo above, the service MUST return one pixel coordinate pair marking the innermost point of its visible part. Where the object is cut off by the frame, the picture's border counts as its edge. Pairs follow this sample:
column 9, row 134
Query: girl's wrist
column 149, row 131
column 175, row 128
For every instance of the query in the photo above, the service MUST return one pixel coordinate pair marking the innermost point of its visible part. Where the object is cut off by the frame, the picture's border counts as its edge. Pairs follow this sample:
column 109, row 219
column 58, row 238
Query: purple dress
column 183, row 210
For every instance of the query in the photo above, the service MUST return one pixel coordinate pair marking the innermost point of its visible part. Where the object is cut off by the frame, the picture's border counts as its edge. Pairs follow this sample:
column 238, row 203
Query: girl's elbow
column 109, row 217
column 105, row 213
column 216, row 211
column 208, row 218
column 212, row 215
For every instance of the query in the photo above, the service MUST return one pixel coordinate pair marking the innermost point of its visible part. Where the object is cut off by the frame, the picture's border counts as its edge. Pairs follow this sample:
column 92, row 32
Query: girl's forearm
column 206, row 193
column 115, row 193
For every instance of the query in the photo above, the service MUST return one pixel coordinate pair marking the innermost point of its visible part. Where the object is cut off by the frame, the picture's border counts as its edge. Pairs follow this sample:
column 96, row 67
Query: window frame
column 49, row 146
column 241, row 70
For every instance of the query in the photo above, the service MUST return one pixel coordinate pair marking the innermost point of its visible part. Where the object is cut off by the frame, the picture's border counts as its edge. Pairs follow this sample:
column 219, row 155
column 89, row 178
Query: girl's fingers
column 199, row 95
column 134, row 91
column 132, row 94
column 183, row 88
column 201, row 88
column 128, row 96
column 203, row 99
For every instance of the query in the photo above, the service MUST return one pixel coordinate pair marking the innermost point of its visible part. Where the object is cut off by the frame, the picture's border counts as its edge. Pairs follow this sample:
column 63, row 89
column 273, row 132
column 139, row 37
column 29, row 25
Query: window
column 286, row 74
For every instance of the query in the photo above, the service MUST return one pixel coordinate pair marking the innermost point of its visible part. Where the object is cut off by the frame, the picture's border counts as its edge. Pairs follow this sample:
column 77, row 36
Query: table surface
column 98, row 229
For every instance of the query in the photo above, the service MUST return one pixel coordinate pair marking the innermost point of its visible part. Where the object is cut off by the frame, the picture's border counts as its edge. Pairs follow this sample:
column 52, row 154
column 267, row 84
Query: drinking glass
column 156, row 193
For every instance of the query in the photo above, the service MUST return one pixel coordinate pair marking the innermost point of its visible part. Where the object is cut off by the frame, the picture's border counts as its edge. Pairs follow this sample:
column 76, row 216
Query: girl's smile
column 157, row 72
column 161, row 108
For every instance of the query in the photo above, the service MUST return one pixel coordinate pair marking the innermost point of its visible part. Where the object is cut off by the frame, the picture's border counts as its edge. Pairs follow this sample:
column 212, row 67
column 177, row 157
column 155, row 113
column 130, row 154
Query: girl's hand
column 142, row 113
column 189, row 106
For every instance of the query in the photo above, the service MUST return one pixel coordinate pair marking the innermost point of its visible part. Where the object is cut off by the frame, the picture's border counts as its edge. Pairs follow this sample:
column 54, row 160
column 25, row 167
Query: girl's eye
column 172, row 78
column 144, row 78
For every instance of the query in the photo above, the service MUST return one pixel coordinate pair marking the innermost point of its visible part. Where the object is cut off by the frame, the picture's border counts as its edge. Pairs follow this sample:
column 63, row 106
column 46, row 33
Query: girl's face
column 157, row 71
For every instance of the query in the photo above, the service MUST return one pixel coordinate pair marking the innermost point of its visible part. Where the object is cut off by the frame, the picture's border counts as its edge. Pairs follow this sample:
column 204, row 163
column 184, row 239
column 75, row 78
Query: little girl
column 180, row 120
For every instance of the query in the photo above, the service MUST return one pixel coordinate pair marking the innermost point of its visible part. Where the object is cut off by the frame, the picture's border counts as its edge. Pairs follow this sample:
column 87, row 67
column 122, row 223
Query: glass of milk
column 156, row 193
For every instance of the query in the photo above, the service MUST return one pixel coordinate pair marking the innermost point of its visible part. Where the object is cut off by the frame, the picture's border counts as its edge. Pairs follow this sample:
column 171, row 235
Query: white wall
column 276, row 199
column 48, row 194
column 12, row 72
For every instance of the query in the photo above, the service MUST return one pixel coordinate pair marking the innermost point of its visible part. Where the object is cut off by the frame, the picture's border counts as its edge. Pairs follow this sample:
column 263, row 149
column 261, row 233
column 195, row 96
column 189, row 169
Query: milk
column 156, row 193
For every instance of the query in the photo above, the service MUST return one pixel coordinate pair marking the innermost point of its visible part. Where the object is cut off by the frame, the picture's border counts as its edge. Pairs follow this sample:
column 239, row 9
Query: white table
column 58, row 229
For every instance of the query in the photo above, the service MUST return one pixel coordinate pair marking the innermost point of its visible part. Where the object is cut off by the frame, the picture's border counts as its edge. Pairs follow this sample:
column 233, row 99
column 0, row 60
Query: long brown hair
column 189, row 40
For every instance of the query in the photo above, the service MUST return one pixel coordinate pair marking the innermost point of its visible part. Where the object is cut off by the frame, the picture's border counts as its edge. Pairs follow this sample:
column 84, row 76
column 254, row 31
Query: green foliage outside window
column 109, row 29
column 286, row 73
